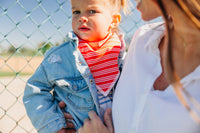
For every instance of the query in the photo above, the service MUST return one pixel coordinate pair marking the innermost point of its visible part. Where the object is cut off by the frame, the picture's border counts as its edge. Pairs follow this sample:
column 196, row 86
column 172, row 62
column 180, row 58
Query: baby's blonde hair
column 119, row 5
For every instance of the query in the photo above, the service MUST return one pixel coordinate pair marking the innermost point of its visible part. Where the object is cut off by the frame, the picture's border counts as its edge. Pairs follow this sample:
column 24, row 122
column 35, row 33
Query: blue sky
column 29, row 22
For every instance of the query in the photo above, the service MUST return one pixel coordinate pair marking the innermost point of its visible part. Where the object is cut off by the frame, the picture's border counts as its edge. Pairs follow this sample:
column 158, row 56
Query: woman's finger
column 70, row 131
column 93, row 115
column 61, row 104
column 67, row 116
column 66, row 130
column 70, row 124
column 108, row 120
column 93, row 124
column 87, row 127
column 86, row 120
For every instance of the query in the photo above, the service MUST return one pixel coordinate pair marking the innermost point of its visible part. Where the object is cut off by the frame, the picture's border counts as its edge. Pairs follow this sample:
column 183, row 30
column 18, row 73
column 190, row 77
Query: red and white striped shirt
column 102, row 59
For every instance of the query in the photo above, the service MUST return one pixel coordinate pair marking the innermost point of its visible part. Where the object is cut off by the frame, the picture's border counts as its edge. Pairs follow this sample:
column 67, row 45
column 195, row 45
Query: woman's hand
column 95, row 125
column 70, row 126
column 66, row 130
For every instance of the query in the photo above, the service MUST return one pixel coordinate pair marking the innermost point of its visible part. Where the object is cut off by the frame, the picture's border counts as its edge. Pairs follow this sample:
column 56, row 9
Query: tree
column 11, row 49
column 44, row 47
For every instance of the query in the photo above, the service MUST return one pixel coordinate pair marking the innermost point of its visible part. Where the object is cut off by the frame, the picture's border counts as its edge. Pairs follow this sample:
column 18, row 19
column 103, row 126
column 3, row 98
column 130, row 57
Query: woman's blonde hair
column 191, row 8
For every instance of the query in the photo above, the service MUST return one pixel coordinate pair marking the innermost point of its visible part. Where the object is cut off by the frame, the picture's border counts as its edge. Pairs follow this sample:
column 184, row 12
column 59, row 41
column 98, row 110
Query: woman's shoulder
column 149, row 31
column 152, row 27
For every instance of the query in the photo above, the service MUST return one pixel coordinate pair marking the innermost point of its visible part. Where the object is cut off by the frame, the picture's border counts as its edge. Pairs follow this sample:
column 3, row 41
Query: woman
column 149, row 90
column 158, row 91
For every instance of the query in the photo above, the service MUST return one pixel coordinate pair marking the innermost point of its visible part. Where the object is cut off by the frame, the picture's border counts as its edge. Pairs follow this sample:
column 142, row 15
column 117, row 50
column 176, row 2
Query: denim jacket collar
column 71, row 36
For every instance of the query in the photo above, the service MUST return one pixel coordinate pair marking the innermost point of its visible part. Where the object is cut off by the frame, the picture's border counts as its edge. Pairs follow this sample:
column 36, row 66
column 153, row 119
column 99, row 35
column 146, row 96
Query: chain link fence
column 27, row 29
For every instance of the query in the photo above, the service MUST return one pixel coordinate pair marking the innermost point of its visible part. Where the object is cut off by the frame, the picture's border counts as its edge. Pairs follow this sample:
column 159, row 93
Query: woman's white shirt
column 137, row 107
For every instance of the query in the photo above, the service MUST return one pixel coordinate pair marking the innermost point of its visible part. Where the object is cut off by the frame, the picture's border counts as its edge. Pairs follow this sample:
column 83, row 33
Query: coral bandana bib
column 102, row 59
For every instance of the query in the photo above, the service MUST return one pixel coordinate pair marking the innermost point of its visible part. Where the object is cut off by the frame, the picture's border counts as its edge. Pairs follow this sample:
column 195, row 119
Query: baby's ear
column 116, row 20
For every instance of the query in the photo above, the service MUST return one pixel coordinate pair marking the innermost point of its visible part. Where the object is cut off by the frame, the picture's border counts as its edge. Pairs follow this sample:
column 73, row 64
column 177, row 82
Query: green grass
column 11, row 74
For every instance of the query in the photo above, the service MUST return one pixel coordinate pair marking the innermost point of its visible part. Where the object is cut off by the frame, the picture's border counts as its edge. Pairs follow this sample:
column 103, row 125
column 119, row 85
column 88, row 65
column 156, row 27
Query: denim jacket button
column 91, row 81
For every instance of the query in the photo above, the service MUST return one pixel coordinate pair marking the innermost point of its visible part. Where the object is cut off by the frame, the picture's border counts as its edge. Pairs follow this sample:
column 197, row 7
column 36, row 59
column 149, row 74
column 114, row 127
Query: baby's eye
column 92, row 11
column 76, row 12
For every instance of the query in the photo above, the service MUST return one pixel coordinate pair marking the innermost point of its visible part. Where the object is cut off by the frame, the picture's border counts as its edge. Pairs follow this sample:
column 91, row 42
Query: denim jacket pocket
column 76, row 93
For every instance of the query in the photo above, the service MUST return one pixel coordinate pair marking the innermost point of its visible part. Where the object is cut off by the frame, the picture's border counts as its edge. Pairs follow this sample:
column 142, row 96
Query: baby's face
column 91, row 19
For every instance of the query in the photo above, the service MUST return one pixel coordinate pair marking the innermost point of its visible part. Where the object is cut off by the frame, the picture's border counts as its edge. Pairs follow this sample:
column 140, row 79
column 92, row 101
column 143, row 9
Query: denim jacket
column 62, row 75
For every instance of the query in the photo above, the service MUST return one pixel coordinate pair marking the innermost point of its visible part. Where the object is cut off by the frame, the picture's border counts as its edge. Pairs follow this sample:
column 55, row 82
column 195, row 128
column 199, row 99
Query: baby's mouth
column 84, row 29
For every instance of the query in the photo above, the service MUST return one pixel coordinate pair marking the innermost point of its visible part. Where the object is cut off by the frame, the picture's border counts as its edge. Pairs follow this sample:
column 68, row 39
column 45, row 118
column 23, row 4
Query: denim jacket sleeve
column 41, row 107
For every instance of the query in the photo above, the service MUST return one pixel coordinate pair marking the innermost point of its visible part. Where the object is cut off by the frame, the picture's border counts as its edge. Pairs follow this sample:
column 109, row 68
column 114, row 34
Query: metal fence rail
column 27, row 29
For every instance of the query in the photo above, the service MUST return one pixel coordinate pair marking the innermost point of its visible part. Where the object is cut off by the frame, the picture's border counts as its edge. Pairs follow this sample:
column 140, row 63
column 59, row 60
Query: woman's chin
column 138, row 3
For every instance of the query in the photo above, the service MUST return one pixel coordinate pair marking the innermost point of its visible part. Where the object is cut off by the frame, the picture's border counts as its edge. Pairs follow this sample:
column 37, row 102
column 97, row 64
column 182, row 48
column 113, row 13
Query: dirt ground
column 13, row 118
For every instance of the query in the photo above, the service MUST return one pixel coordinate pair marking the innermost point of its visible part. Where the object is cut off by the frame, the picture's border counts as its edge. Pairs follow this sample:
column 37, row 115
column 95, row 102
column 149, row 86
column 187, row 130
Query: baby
column 82, row 72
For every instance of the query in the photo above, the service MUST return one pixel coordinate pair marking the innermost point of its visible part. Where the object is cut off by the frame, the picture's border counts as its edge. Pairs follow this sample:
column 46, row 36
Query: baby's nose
column 83, row 19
